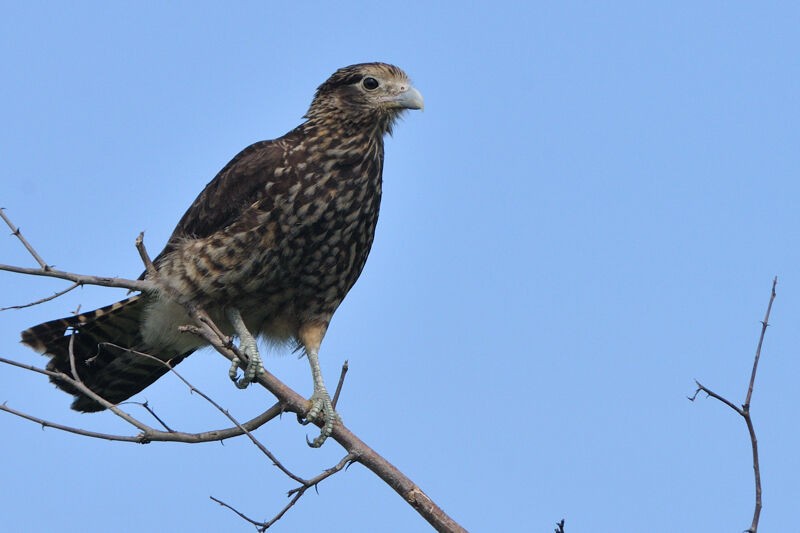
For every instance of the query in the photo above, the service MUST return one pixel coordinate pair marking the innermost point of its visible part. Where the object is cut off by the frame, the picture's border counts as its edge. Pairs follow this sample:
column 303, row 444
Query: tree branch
column 43, row 300
column 335, row 400
column 288, row 399
column 18, row 234
column 102, row 281
column 148, row 264
column 744, row 411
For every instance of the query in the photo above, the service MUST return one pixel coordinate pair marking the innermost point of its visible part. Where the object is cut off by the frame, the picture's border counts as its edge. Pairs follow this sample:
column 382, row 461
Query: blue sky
column 587, row 216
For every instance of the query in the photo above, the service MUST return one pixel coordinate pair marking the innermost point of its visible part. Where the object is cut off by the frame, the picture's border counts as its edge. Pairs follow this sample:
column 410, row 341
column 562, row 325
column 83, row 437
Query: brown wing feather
column 237, row 186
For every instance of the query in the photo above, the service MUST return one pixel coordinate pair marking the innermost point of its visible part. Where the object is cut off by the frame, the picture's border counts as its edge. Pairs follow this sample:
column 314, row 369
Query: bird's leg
column 321, row 405
column 247, row 347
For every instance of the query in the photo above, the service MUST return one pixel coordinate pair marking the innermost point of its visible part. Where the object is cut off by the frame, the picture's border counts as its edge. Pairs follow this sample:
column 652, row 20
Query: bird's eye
column 370, row 83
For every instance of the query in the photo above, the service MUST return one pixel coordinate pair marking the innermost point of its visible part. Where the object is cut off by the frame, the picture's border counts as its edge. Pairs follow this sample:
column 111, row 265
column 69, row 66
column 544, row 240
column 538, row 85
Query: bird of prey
column 271, row 246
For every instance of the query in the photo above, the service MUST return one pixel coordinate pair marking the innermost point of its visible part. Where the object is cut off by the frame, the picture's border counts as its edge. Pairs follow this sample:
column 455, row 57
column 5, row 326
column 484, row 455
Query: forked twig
column 18, row 234
column 146, row 406
column 744, row 410
column 295, row 493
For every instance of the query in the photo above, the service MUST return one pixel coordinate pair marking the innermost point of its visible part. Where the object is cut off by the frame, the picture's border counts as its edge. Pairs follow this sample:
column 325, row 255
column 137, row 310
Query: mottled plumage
column 280, row 234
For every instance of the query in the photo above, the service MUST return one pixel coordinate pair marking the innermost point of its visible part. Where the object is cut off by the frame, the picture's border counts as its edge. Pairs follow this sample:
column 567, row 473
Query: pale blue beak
column 408, row 99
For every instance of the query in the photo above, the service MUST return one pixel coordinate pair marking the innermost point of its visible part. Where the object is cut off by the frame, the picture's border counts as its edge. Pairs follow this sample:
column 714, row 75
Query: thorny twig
column 744, row 410
column 43, row 300
column 18, row 234
column 297, row 493
column 146, row 406
column 148, row 434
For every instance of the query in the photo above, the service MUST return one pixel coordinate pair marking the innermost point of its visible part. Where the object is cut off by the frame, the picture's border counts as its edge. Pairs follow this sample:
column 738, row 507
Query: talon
column 234, row 368
column 321, row 405
column 247, row 348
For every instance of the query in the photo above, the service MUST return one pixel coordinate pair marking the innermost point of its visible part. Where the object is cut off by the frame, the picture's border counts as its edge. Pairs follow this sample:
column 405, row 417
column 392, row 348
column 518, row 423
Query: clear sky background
column 587, row 216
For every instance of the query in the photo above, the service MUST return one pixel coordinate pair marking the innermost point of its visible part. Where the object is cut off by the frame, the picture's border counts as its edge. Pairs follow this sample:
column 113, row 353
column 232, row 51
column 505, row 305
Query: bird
column 269, row 249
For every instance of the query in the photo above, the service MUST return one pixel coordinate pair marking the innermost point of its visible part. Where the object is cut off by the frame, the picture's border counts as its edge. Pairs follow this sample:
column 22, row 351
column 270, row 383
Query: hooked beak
column 408, row 99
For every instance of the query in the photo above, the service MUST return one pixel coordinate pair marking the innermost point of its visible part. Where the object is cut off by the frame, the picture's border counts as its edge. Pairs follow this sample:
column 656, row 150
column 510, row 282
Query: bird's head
column 365, row 96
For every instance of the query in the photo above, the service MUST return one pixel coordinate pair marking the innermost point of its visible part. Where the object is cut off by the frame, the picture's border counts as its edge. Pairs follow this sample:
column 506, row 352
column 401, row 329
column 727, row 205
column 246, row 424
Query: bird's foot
column 254, row 368
column 321, row 408
column 247, row 348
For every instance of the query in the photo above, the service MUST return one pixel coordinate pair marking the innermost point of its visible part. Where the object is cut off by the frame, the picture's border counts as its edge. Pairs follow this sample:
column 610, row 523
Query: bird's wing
column 235, row 188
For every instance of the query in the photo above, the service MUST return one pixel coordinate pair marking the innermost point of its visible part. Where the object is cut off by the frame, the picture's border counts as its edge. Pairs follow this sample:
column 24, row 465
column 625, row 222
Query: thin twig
column 78, row 383
column 764, row 326
column 335, row 400
column 277, row 408
column 18, row 234
column 152, row 435
column 347, row 459
column 241, row 515
column 43, row 300
column 146, row 406
column 295, row 493
column 148, row 264
column 709, row 392
column 103, row 281
column 68, row 429
column 749, row 421
column 298, row 492
column 744, row 411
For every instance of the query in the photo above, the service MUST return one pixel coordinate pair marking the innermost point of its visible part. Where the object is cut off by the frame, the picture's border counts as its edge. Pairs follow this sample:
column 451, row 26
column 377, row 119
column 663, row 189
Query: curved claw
column 235, row 362
column 251, row 372
column 321, row 405
column 247, row 348
column 253, row 369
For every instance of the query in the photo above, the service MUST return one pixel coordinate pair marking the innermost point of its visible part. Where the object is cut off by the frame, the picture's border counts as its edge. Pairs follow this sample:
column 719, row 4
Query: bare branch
column 313, row 482
column 149, row 435
column 77, row 431
column 288, row 399
column 346, row 461
column 335, row 400
column 295, row 493
column 148, row 264
column 245, row 517
column 43, row 300
column 18, row 234
column 275, row 411
column 713, row 394
column 146, row 406
column 764, row 326
column 122, row 283
column 744, row 411
column 32, row 368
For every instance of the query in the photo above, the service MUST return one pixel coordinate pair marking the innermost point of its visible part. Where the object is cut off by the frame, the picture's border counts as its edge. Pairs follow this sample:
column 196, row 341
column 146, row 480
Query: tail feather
column 108, row 352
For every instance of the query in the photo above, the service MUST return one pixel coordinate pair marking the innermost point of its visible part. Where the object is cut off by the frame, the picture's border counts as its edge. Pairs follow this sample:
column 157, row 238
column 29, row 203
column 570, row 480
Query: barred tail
column 107, row 348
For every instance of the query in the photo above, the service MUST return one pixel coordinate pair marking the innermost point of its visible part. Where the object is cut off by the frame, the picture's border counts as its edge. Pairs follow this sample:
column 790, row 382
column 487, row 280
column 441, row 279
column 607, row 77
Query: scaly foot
column 247, row 348
column 321, row 406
